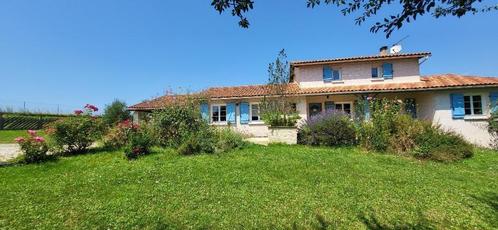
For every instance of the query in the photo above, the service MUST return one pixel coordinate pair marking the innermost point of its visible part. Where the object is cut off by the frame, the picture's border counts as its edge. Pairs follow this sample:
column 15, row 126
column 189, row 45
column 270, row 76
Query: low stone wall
column 287, row 135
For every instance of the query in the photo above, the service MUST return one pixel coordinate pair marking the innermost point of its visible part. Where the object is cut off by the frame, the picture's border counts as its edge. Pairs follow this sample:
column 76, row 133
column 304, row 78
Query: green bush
column 389, row 130
column 117, row 136
column 174, row 124
column 328, row 129
column 203, row 141
column 75, row 134
column 437, row 144
column 34, row 148
column 277, row 119
column 227, row 140
column 115, row 113
column 138, row 143
column 493, row 128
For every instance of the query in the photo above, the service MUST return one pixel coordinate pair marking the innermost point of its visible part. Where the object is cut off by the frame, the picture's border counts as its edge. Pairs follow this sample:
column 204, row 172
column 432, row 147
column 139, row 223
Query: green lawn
column 8, row 136
column 259, row 187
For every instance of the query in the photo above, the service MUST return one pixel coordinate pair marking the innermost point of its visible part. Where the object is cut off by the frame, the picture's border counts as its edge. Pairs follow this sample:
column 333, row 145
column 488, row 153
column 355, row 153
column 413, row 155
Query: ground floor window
column 219, row 113
column 315, row 108
column 473, row 104
column 255, row 112
column 344, row 107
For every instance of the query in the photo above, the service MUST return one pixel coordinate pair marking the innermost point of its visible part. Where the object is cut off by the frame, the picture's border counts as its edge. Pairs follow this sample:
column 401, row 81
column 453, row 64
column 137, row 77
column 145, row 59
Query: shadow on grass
column 372, row 222
column 490, row 200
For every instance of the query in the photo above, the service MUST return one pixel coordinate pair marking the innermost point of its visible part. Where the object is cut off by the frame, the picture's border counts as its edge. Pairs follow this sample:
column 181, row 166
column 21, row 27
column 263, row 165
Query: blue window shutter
column 387, row 70
column 375, row 72
column 244, row 113
column 231, row 113
column 205, row 111
column 493, row 99
column 337, row 75
column 457, row 106
column 327, row 74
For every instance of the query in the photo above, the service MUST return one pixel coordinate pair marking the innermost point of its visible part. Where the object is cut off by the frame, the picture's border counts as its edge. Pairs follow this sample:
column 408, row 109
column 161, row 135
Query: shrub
column 174, row 124
column 203, row 141
column 405, row 132
column 139, row 143
column 76, row 134
column 117, row 136
column 277, row 119
column 229, row 140
column 376, row 133
column 493, row 128
column 34, row 148
column 437, row 144
column 329, row 129
column 115, row 113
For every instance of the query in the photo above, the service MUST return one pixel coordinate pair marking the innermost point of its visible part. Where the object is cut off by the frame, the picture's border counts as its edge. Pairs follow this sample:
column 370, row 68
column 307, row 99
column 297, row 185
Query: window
column 344, row 107
column 387, row 70
column 219, row 113
column 330, row 74
column 473, row 104
column 375, row 72
column 255, row 112
column 315, row 108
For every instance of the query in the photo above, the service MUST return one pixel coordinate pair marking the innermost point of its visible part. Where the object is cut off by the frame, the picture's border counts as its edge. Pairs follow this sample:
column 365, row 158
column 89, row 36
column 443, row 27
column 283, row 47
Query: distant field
column 8, row 136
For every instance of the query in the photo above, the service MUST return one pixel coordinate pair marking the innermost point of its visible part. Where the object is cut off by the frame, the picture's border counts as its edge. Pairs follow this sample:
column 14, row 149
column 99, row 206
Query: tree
column 411, row 9
column 115, row 113
column 277, row 109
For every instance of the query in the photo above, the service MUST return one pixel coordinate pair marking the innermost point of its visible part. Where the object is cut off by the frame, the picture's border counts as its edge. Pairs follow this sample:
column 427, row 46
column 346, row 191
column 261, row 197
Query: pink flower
column 19, row 139
column 32, row 132
column 91, row 107
column 78, row 112
column 39, row 139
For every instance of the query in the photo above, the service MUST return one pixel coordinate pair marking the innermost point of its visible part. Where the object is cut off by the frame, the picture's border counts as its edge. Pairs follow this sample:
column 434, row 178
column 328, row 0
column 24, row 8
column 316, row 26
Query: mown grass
column 258, row 187
column 8, row 136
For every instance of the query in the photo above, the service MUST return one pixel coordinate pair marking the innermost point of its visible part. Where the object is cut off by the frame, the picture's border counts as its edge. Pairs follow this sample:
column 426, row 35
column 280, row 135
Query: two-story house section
column 456, row 102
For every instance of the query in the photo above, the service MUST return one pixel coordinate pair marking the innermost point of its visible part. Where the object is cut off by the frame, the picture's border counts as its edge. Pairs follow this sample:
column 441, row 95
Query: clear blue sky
column 92, row 51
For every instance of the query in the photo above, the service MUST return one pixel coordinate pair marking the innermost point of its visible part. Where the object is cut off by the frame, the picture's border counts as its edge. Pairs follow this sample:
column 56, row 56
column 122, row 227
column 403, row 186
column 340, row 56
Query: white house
column 456, row 102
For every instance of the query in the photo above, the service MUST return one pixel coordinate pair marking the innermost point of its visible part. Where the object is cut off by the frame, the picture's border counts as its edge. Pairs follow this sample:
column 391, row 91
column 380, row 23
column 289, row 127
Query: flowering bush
column 331, row 128
column 34, row 147
column 139, row 143
column 117, row 136
column 76, row 134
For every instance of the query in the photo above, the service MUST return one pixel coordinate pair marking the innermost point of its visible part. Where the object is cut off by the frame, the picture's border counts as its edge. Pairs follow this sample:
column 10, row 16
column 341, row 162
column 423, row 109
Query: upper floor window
column 219, row 113
column 375, row 72
column 330, row 74
column 255, row 112
column 472, row 104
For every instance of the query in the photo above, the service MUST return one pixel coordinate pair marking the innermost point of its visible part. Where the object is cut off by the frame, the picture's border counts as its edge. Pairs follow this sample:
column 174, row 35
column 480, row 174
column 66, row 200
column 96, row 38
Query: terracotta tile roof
column 432, row 82
column 362, row 58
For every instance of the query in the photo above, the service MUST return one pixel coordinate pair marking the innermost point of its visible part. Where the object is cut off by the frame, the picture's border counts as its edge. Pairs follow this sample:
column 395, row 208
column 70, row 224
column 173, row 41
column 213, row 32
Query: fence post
column 40, row 123
column 1, row 121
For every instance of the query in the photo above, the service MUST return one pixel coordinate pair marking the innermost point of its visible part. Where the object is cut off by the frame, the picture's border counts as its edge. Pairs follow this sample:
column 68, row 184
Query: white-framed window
column 344, row 107
column 331, row 74
column 375, row 72
column 218, row 113
column 255, row 112
column 472, row 105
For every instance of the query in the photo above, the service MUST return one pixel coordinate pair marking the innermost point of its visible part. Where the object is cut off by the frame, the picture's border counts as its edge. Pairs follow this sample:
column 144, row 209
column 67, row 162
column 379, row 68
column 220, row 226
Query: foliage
column 212, row 140
column 34, row 148
column 436, row 144
column 174, row 124
column 259, row 187
column 76, row 134
column 331, row 128
column 493, row 127
column 117, row 136
column 389, row 130
column 8, row 136
column 410, row 10
column 229, row 140
column 138, row 143
column 375, row 133
column 277, row 109
column 116, row 112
